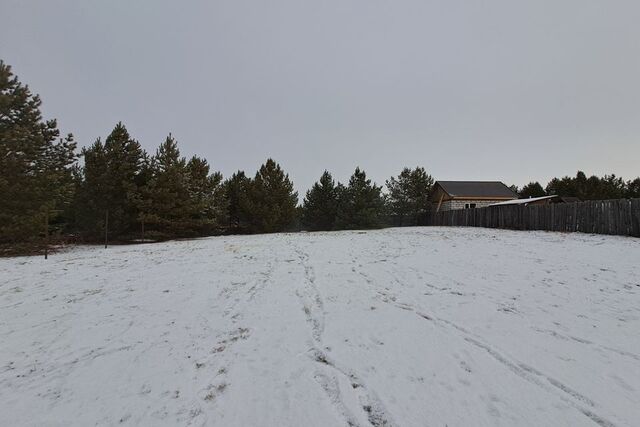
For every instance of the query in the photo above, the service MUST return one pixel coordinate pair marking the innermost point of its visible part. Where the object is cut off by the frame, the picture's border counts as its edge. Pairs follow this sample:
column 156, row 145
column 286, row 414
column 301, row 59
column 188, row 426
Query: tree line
column 607, row 187
column 114, row 189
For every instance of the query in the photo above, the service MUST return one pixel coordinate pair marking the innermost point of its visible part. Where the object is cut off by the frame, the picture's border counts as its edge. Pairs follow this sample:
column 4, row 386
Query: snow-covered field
column 408, row 327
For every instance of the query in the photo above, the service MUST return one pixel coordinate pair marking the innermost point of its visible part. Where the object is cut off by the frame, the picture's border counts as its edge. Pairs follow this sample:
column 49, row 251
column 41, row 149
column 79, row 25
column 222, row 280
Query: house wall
column 450, row 205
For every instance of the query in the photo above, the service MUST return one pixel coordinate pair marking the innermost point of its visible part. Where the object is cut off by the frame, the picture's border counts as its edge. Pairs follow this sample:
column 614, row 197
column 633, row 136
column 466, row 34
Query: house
column 544, row 200
column 452, row 195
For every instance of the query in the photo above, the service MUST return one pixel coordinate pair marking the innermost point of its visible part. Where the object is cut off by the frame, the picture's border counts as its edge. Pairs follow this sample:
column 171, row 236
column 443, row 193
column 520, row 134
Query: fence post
column 46, row 235
column 106, row 229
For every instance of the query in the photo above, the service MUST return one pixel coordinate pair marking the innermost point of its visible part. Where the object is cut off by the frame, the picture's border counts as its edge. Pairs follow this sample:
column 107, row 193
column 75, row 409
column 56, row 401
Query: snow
column 523, row 201
column 409, row 327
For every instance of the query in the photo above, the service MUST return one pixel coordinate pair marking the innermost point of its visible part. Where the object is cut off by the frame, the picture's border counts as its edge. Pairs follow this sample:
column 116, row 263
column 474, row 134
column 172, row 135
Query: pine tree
column 611, row 187
column 409, row 196
column 36, row 168
column 565, row 186
column 320, row 205
column 236, row 192
column 532, row 189
column 207, row 201
column 142, row 200
column 592, row 188
column 361, row 204
column 113, row 180
column 273, row 199
column 169, row 208
column 89, row 205
column 633, row 189
column 124, row 161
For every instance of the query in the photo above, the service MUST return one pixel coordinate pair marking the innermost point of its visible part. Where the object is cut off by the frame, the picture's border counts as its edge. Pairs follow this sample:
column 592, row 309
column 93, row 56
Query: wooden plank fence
column 619, row 217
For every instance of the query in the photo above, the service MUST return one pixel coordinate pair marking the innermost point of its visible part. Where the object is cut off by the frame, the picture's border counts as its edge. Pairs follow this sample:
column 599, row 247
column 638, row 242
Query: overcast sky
column 480, row 90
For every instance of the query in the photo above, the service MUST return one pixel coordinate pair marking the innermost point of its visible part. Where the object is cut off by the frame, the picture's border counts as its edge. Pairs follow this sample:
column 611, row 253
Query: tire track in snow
column 370, row 405
column 313, row 305
column 534, row 376
column 596, row 346
column 263, row 281
column 622, row 352
column 524, row 371
column 374, row 411
column 233, row 294
column 530, row 374
column 331, row 387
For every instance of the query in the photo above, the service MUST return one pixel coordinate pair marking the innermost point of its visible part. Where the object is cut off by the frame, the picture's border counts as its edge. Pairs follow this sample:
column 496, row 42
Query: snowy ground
column 408, row 327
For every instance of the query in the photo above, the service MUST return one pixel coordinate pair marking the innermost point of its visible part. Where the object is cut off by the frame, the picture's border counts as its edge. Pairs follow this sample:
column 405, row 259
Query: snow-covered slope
column 409, row 327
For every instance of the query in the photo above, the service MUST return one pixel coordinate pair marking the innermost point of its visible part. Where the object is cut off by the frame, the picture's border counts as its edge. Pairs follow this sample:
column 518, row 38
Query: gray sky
column 499, row 89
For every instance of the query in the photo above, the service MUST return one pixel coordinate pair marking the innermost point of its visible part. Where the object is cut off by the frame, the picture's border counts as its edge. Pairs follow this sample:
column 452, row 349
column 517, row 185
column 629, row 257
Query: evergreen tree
column 236, row 192
column 113, row 179
column 361, row 204
column 36, row 168
column 532, row 189
column 207, row 201
column 143, row 198
column 320, row 205
column 562, row 187
column 612, row 187
column 592, row 188
column 409, row 193
column 124, row 164
column 89, row 206
column 273, row 200
column 169, row 209
column 633, row 189
column 589, row 188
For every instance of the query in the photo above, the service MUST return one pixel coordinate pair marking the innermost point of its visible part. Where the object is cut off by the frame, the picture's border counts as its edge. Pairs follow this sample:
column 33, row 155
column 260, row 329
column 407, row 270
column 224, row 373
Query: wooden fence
column 621, row 217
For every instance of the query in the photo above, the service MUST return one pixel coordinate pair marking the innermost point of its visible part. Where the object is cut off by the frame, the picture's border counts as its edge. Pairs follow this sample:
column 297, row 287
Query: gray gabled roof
column 487, row 189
